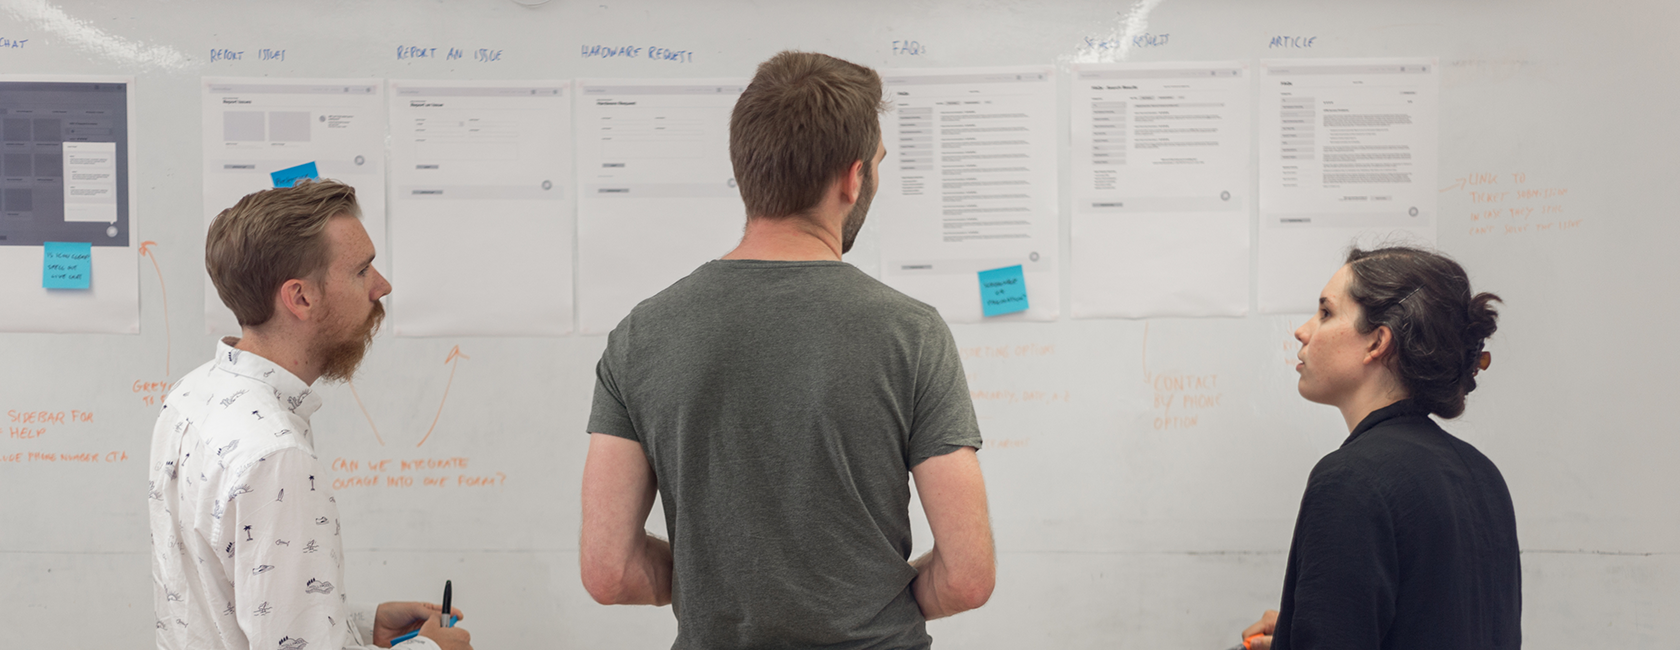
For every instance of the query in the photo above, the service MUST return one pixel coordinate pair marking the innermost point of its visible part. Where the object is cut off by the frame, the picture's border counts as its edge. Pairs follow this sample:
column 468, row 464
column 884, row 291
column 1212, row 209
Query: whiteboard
column 1119, row 523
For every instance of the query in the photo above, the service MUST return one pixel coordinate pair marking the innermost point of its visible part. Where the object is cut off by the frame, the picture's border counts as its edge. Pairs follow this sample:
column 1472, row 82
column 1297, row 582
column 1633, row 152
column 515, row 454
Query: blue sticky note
column 66, row 265
column 1003, row 291
column 291, row 175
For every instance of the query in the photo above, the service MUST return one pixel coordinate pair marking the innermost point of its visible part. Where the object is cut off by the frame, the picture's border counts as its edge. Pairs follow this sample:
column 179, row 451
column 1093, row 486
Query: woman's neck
column 1382, row 391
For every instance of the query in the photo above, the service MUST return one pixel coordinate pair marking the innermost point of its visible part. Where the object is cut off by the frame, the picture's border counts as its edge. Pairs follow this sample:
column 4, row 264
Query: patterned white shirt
column 246, row 552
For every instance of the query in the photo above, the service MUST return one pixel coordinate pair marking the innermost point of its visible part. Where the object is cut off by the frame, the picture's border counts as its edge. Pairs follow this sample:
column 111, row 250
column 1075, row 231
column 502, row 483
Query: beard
column 854, row 219
column 342, row 353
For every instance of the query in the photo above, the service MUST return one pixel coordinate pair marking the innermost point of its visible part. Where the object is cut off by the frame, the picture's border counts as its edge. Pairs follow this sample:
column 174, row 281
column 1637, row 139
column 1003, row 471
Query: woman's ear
column 1381, row 346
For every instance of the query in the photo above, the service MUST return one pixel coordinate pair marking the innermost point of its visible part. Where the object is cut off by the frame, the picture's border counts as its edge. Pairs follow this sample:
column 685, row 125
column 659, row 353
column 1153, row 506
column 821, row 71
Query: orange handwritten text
column 1022, row 397
column 49, row 417
column 434, row 463
column 72, row 416
column 397, row 473
column 1520, row 210
column 480, row 481
column 65, row 457
column 1185, row 393
column 1006, row 351
column 151, row 392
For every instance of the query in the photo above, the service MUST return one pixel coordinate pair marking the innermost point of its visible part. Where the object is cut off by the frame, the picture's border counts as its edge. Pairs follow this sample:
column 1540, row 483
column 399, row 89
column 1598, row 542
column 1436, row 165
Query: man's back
column 781, row 406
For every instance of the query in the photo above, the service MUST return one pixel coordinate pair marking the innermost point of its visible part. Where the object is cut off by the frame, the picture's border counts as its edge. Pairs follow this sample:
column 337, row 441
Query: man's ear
column 851, row 183
column 298, row 298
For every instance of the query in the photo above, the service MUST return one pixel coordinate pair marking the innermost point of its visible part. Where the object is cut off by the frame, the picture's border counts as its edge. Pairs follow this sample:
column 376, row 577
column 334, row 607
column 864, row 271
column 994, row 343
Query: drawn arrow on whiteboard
column 352, row 384
column 454, row 354
column 168, row 344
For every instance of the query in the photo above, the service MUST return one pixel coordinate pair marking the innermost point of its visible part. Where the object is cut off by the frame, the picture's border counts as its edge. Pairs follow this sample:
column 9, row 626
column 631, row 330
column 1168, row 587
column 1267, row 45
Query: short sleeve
column 1345, row 561
column 608, row 414
column 943, row 420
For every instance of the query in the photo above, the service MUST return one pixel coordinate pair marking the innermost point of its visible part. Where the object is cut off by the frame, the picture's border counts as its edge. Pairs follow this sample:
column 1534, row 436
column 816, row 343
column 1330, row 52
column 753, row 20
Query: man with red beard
column 245, row 531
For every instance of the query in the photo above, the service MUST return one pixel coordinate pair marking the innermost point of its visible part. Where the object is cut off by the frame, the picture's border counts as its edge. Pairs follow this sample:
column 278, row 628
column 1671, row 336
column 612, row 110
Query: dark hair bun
column 1424, row 298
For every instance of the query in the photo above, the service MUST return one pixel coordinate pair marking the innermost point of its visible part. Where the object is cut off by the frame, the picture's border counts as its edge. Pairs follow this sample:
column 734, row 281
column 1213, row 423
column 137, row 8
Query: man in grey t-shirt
column 778, row 400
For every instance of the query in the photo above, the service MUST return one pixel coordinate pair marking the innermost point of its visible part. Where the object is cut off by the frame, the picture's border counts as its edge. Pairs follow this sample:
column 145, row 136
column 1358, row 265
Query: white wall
column 1111, row 533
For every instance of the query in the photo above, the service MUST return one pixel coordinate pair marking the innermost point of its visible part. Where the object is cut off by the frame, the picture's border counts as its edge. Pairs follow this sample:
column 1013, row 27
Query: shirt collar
column 1402, row 408
column 291, row 391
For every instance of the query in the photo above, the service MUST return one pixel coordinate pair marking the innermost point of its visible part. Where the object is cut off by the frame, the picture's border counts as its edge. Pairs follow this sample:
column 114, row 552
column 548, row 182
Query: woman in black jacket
column 1406, row 536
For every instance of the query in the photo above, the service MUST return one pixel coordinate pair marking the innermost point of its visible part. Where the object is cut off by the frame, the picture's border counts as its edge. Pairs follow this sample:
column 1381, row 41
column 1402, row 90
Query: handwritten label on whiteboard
column 908, row 48
column 1098, row 44
column 637, row 52
column 12, row 43
column 406, row 52
column 480, row 55
column 1292, row 42
column 220, row 54
column 1003, row 291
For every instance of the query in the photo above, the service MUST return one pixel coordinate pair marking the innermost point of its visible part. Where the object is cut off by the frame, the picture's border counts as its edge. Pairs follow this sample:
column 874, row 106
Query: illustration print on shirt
column 291, row 643
column 316, row 586
column 263, row 609
column 262, row 569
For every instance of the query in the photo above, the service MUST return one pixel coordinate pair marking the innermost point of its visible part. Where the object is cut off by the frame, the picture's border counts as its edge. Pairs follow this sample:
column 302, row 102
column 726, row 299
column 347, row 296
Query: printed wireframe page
column 969, row 185
column 255, row 127
column 1347, row 154
column 657, row 195
column 1160, row 189
column 66, row 170
column 481, row 208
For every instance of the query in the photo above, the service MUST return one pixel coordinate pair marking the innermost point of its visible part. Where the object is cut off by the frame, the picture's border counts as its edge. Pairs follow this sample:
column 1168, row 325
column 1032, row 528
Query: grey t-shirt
column 781, row 405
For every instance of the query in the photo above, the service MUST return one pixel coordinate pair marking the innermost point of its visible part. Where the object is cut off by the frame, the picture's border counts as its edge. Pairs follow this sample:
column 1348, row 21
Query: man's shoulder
column 237, row 418
column 834, row 285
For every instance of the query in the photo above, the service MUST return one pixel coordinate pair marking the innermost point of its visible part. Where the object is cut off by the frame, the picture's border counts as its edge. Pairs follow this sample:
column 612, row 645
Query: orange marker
column 1248, row 643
